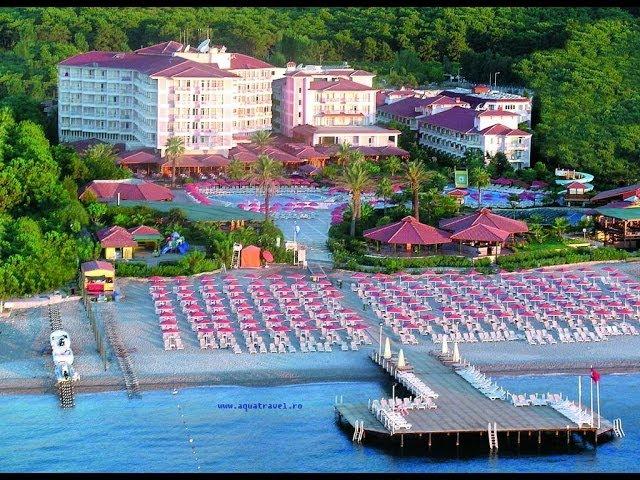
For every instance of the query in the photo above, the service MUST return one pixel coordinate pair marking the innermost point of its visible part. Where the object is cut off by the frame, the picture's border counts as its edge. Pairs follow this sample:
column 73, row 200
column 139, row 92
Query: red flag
column 595, row 376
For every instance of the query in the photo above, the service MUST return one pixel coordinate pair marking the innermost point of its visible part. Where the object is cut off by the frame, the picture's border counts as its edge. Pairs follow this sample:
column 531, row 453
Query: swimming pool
column 500, row 198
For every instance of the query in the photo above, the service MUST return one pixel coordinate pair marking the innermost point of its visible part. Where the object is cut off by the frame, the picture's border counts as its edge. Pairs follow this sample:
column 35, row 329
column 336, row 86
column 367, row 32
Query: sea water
column 225, row 429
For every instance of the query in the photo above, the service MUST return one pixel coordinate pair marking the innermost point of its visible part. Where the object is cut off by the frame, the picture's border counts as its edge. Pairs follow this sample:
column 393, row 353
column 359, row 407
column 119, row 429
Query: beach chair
column 354, row 346
column 291, row 348
column 272, row 348
column 327, row 347
column 263, row 348
column 311, row 346
column 282, row 348
column 236, row 348
column 303, row 347
column 344, row 347
column 320, row 347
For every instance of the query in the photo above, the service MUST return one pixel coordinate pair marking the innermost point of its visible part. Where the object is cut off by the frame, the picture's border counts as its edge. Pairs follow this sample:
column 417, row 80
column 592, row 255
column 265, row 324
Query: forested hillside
column 581, row 61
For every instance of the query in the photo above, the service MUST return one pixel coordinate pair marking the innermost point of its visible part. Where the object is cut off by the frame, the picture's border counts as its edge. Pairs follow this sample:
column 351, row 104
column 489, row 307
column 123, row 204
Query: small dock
column 465, row 414
column 65, row 388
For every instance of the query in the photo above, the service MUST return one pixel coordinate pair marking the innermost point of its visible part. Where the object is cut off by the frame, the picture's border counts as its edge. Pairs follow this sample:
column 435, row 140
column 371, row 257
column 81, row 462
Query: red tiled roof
column 115, row 236
column 96, row 265
column 153, row 65
column 128, row 190
column 574, row 186
column 340, row 85
column 408, row 230
column 457, row 118
column 497, row 113
column 484, row 217
column 242, row 154
column 499, row 129
column 137, row 157
column 631, row 189
column 240, row 61
column 81, row 146
column 199, row 161
column 164, row 48
column 143, row 230
column 301, row 150
column 458, row 193
column 481, row 233
column 407, row 106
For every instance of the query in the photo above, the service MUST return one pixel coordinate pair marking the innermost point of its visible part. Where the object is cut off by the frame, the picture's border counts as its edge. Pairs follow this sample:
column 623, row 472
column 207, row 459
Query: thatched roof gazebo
column 408, row 232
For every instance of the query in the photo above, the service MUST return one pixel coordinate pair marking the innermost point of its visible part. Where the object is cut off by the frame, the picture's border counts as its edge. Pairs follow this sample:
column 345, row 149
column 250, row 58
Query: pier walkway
column 463, row 409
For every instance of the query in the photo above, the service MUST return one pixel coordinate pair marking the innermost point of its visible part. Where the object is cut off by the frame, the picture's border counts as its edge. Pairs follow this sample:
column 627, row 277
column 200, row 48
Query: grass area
column 553, row 244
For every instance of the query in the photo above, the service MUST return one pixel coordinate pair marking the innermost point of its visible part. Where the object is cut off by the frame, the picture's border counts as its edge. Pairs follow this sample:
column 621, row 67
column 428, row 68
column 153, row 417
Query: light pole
column 296, row 230
column 380, row 341
column 393, row 392
column 584, row 233
column 495, row 80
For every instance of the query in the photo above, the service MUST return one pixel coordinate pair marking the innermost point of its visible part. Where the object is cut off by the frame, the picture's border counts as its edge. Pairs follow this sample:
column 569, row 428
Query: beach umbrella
column 445, row 347
column 387, row 348
column 401, row 361
column 456, row 352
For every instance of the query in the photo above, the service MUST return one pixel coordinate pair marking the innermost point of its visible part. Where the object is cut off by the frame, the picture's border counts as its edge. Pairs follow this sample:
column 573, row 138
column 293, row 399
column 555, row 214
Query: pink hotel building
column 207, row 96
column 212, row 99
column 328, row 105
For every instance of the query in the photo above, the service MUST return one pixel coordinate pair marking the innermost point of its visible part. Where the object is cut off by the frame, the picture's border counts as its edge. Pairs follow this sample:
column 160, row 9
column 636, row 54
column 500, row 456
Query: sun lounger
column 303, row 348
column 272, row 348
column 236, row 348
column 311, row 346
column 344, row 347
column 354, row 346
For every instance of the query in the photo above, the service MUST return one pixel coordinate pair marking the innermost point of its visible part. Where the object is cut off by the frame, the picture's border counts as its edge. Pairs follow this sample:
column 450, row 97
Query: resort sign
column 461, row 178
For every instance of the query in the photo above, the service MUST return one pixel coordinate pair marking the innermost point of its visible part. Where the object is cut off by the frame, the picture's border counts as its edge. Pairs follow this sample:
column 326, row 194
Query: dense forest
column 580, row 61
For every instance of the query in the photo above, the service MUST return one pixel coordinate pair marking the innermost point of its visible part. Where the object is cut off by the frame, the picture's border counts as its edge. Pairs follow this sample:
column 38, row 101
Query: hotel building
column 458, row 129
column 207, row 96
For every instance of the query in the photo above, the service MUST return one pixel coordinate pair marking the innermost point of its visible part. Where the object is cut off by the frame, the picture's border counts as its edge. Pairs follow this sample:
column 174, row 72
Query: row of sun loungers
column 415, row 385
column 483, row 383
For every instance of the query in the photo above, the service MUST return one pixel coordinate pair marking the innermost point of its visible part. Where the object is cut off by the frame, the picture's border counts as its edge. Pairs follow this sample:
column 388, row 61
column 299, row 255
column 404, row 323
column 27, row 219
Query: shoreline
column 43, row 386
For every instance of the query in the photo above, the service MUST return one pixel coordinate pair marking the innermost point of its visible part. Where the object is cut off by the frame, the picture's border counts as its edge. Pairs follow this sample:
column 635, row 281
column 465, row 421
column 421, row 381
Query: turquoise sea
column 191, row 432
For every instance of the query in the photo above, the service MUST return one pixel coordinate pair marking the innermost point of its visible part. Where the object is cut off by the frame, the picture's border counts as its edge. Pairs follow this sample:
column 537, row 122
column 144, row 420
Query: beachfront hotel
column 207, row 96
column 458, row 129
column 327, row 105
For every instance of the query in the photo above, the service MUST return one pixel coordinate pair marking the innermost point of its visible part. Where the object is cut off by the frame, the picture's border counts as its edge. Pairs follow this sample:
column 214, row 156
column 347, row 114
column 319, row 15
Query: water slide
column 570, row 176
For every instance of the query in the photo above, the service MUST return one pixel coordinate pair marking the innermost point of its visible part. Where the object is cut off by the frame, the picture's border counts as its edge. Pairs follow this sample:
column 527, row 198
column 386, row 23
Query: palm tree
column 481, row 179
column 235, row 169
column 356, row 179
column 393, row 165
column 513, row 202
column 537, row 232
column 415, row 176
column 560, row 226
column 266, row 171
column 262, row 138
column 102, row 151
column 174, row 149
column 343, row 154
column 356, row 156
column 384, row 190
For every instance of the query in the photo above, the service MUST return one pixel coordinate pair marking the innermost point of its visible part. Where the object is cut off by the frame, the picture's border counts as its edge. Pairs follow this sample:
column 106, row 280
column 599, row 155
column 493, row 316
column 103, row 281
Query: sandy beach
column 26, row 365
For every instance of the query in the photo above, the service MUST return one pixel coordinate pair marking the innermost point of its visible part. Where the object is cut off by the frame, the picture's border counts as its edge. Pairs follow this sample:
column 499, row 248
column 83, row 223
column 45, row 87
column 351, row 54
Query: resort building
column 410, row 110
column 357, row 135
column 618, row 224
column 323, row 96
column 630, row 193
column 481, row 97
column 129, row 189
column 456, row 130
column 117, row 243
column 207, row 96
column 98, row 277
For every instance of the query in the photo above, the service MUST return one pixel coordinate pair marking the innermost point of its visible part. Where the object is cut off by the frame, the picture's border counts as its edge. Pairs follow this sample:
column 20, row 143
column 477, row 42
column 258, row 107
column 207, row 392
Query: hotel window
column 188, row 83
column 193, row 139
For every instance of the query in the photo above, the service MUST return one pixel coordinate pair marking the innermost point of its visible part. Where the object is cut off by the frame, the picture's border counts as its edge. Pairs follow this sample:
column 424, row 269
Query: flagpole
column 591, row 397
column 598, row 394
column 580, row 392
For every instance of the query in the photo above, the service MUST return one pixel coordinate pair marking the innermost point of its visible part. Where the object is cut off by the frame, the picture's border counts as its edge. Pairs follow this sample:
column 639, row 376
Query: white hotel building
column 207, row 96
column 459, row 129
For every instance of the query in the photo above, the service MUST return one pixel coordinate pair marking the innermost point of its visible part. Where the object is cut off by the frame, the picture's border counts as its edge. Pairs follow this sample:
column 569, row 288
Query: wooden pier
column 465, row 414
column 65, row 388
column 122, row 354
